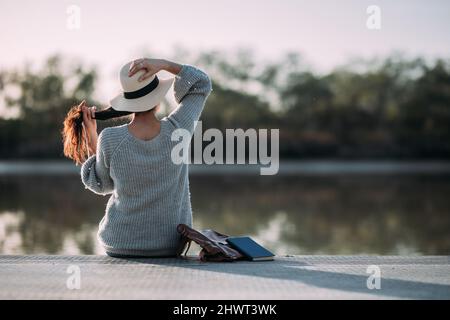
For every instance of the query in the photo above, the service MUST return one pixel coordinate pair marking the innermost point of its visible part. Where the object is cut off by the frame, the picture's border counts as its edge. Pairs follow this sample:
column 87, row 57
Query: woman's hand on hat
column 150, row 66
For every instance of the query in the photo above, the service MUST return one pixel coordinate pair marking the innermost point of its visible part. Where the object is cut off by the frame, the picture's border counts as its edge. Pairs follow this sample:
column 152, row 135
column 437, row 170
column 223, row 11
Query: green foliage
column 392, row 108
column 228, row 108
column 44, row 98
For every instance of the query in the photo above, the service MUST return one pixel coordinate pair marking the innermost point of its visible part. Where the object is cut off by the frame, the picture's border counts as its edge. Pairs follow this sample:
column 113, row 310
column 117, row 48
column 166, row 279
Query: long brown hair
column 73, row 132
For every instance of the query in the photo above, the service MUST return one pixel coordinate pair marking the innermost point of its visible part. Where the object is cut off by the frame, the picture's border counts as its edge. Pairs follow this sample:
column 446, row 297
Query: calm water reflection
column 407, row 214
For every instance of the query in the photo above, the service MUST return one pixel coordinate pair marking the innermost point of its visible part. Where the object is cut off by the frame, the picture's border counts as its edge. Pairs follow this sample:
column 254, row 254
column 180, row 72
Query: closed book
column 250, row 248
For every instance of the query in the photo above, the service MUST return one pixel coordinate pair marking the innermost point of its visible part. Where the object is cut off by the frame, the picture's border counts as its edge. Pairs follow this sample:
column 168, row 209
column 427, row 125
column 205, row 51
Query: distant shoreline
column 287, row 167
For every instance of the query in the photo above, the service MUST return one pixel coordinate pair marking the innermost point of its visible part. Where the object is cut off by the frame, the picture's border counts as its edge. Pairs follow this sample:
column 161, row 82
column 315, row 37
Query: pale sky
column 326, row 32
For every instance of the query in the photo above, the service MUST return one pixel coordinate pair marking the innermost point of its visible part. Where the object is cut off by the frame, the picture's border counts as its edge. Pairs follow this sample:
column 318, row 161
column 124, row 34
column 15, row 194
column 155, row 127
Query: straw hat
column 139, row 96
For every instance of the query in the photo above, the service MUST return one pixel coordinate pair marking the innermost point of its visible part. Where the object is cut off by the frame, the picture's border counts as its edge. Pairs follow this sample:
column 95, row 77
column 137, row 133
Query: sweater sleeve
column 192, row 87
column 95, row 170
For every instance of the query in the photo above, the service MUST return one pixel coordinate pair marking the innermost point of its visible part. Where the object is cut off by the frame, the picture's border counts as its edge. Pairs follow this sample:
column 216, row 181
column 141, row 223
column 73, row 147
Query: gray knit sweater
column 149, row 193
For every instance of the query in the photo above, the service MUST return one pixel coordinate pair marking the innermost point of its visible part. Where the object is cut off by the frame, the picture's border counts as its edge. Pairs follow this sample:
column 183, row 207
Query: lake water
column 319, row 211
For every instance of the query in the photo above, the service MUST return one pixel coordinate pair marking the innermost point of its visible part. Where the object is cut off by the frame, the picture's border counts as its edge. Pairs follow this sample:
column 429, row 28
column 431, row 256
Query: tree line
column 391, row 108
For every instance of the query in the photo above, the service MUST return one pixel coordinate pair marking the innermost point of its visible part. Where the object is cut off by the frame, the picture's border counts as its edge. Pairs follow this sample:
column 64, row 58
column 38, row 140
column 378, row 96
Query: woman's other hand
column 90, row 124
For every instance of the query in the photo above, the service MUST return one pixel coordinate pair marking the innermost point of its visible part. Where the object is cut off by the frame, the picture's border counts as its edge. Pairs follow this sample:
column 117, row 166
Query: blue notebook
column 250, row 248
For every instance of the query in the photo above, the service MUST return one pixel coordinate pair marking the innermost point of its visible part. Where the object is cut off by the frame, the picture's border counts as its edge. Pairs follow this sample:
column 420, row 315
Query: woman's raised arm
column 192, row 87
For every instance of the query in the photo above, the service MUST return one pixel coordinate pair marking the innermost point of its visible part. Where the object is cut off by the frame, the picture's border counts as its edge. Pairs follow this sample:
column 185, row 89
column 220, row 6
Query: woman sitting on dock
column 149, row 193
